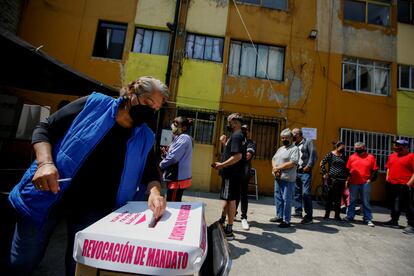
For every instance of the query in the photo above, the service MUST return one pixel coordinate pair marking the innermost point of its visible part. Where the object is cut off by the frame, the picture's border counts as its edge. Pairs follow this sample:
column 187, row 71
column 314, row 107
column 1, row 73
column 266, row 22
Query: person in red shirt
column 400, row 176
column 363, row 170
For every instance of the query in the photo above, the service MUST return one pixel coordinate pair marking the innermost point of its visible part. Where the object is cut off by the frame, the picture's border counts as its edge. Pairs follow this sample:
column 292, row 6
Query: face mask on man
column 141, row 114
column 342, row 150
column 229, row 128
column 294, row 138
column 176, row 130
column 286, row 142
column 397, row 149
column 360, row 150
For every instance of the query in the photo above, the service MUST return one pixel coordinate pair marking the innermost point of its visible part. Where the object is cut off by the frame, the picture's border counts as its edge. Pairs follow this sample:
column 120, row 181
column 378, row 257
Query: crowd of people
column 98, row 139
column 348, row 179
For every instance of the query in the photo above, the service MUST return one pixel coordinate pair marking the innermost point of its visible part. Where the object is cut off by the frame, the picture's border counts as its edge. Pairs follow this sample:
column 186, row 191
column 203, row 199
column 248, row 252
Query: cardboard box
column 123, row 242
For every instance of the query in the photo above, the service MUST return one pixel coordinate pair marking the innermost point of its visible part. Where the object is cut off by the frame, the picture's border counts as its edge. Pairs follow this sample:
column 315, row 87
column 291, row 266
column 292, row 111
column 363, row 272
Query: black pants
column 336, row 189
column 175, row 195
column 243, row 197
column 400, row 201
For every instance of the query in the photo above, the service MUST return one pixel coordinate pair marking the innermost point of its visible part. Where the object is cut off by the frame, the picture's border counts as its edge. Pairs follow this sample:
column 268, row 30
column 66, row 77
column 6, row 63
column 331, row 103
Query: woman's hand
column 156, row 202
column 46, row 178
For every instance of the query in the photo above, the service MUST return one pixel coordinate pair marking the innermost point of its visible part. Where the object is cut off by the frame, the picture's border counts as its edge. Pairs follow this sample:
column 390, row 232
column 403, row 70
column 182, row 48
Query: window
column 110, row 39
column 378, row 144
column 151, row 42
column 366, row 76
column 204, row 47
column 266, row 62
column 406, row 77
column 265, row 132
column 368, row 11
column 203, row 126
column 406, row 11
column 272, row 4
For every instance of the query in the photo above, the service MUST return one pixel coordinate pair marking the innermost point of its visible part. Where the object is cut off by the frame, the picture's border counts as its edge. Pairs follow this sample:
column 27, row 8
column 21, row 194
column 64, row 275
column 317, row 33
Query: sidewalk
column 323, row 248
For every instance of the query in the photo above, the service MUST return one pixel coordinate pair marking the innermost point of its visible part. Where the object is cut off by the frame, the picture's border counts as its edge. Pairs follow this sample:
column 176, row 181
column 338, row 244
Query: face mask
column 229, row 128
column 286, row 142
column 360, row 151
column 176, row 130
column 397, row 149
column 244, row 134
column 341, row 150
column 294, row 138
column 141, row 114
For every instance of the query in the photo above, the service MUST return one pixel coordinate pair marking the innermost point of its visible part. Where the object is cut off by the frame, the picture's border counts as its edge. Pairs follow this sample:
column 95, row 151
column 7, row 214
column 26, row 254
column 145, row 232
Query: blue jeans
column 283, row 199
column 30, row 241
column 303, row 191
column 365, row 191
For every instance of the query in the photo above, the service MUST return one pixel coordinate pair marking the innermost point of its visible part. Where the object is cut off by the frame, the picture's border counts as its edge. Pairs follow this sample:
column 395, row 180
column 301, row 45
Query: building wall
column 67, row 32
column 405, row 42
column 200, row 84
column 207, row 17
column 140, row 64
column 405, row 100
column 155, row 13
column 405, row 125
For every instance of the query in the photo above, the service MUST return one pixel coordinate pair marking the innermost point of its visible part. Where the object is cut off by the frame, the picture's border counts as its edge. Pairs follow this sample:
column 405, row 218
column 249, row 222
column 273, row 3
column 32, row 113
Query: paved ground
column 326, row 247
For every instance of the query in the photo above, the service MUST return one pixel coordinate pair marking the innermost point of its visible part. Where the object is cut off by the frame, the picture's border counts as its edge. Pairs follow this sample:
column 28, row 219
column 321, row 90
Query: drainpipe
column 174, row 29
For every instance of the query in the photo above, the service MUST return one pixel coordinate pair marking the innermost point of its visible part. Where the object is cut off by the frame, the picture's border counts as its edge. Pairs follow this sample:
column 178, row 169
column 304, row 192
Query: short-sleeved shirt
column 233, row 146
column 400, row 168
column 284, row 155
column 361, row 168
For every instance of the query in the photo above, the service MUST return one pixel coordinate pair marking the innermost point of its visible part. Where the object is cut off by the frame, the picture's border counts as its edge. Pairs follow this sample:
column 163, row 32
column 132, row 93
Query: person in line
column 232, row 169
column 176, row 162
column 400, row 176
column 303, row 189
column 103, row 146
column 336, row 176
column 284, row 166
column 363, row 170
column 250, row 147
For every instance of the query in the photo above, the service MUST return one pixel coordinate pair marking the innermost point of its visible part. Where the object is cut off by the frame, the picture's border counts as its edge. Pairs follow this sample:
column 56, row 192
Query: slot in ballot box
column 123, row 242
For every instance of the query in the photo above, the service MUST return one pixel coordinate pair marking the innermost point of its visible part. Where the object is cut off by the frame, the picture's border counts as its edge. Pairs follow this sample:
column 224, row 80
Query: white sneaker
column 245, row 224
column 370, row 224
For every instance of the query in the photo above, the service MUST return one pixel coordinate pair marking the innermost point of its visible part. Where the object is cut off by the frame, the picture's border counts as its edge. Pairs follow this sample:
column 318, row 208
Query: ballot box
column 123, row 242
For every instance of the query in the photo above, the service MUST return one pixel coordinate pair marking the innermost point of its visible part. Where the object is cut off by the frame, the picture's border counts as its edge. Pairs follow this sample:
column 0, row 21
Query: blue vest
column 87, row 130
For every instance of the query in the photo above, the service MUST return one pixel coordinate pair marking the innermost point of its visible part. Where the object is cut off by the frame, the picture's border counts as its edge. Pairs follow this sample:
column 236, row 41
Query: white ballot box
column 124, row 242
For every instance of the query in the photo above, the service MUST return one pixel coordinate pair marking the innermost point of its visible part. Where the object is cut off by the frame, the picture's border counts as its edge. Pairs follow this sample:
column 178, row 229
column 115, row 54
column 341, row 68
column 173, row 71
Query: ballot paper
column 124, row 242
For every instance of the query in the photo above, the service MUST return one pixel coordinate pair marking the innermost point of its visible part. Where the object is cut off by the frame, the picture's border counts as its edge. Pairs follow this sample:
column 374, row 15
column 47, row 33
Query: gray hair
column 286, row 132
column 297, row 131
column 359, row 144
column 145, row 85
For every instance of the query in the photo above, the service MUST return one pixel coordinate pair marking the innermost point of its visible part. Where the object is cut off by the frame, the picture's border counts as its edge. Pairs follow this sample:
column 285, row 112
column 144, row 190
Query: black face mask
column 141, row 114
column 359, row 151
column 286, row 142
column 244, row 134
column 294, row 138
column 341, row 150
column 229, row 128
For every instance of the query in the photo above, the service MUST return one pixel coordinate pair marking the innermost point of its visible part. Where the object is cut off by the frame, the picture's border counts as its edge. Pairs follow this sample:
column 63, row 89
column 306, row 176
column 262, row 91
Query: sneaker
column 409, row 230
column 306, row 220
column 284, row 224
column 297, row 215
column 391, row 223
column 370, row 223
column 245, row 224
column 229, row 234
column 276, row 219
column 338, row 218
column 347, row 219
